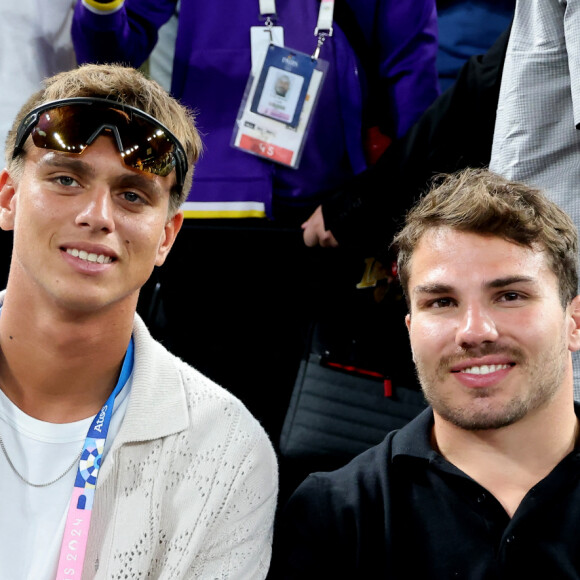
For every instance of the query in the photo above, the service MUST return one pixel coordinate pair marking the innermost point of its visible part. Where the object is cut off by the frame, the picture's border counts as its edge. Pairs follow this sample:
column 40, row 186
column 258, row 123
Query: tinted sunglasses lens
column 147, row 147
column 56, row 129
column 71, row 128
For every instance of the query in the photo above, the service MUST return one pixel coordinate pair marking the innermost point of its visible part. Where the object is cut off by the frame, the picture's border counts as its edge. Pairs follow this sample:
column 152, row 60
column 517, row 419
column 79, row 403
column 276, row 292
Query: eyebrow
column 433, row 289
column 74, row 164
column 142, row 182
column 437, row 288
column 508, row 280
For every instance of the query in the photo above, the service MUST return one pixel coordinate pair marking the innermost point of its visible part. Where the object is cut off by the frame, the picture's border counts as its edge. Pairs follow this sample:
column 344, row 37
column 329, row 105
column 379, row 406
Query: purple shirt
column 212, row 65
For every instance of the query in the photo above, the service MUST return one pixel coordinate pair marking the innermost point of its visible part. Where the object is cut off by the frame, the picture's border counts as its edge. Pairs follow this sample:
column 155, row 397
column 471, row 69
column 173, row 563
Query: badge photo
column 283, row 84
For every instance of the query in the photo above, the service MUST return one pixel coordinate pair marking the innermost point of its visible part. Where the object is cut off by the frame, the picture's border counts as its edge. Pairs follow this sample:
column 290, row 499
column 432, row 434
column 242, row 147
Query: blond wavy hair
column 125, row 85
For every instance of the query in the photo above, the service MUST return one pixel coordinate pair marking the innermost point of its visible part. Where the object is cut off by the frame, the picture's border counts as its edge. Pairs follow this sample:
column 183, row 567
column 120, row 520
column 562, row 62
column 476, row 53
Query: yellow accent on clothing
column 105, row 6
column 247, row 213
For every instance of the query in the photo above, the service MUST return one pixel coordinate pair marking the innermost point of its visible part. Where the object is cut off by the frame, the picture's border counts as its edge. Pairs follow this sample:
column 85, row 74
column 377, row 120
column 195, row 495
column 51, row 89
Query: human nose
column 476, row 326
column 97, row 211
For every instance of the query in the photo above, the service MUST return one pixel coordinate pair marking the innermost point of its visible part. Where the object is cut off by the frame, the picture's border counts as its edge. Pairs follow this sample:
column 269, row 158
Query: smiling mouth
column 484, row 369
column 89, row 257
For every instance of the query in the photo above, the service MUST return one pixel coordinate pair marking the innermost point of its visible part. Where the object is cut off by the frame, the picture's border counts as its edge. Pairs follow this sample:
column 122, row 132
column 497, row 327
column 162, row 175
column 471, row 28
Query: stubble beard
column 544, row 378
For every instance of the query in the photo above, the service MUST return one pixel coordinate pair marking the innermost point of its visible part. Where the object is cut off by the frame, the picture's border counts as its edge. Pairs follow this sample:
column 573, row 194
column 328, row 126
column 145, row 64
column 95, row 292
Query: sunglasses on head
column 71, row 125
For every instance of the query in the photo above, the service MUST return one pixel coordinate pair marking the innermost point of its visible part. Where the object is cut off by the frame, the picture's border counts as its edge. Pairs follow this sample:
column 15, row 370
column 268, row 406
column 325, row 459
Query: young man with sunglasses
column 484, row 484
column 98, row 164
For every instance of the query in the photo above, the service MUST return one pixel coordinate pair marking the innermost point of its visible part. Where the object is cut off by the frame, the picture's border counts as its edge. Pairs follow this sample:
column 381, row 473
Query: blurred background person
column 468, row 28
column 455, row 132
column 35, row 42
column 442, row 139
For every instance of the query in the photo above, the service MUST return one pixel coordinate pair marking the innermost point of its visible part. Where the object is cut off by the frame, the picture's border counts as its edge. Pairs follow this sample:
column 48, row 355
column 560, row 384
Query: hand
column 315, row 233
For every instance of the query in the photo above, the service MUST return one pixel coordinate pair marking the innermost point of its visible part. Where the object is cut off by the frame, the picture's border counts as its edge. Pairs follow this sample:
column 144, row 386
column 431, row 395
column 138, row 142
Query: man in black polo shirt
column 485, row 483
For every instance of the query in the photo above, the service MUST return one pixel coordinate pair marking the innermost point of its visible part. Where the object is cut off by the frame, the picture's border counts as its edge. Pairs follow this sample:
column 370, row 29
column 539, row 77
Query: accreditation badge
column 278, row 104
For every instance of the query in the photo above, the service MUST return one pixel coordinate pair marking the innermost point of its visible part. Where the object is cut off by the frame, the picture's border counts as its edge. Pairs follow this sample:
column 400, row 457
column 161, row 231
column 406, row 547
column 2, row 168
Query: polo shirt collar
column 414, row 440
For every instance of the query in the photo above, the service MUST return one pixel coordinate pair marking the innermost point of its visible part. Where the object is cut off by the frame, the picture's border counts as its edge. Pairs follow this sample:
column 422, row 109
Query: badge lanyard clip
column 322, row 36
column 268, row 14
column 324, row 25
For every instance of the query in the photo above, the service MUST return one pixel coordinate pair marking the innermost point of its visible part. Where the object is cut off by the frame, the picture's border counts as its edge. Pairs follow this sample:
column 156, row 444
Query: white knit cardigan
column 188, row 488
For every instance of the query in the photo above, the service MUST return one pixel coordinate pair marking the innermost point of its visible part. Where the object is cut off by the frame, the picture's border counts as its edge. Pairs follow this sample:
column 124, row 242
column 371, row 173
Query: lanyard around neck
column 74, row 543
column 325, row 13
column 323, row 25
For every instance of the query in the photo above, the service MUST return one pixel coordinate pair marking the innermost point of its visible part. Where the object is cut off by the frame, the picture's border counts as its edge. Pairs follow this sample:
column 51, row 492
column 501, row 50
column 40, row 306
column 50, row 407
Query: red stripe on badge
column 267, row 150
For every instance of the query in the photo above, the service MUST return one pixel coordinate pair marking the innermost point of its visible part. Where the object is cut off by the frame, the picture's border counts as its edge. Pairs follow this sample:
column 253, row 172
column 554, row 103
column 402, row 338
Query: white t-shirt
column 35, row 42
column 33, row 518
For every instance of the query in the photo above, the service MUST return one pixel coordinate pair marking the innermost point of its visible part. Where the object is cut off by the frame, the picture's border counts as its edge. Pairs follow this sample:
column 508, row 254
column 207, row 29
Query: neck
column 57, row 366
column 509, row 461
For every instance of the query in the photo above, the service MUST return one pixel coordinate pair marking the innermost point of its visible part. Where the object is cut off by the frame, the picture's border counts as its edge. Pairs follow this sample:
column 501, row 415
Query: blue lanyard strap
column 92, row 453
column 74, row 543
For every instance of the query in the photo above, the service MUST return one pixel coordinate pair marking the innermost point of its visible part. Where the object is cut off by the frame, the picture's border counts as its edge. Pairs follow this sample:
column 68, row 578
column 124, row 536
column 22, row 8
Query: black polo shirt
column 402, row 511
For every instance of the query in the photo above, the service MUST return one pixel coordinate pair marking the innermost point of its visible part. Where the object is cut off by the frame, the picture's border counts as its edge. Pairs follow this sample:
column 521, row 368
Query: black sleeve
column 455, row 132
column 310, row 541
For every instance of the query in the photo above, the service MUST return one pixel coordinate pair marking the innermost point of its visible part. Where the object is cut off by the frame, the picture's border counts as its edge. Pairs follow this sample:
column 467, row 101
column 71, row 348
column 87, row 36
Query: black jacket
column 455, row 132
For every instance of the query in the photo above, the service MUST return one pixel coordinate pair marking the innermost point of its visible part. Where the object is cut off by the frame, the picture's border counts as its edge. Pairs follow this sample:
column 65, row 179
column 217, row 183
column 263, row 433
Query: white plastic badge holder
column 278, row 105
column 261, row 37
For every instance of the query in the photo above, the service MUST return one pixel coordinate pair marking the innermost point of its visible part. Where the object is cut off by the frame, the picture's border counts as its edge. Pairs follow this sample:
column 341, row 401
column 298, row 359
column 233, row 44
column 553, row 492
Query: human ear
column 170, row 232
column 574, row 312
column 7, row 201
column 408, row 325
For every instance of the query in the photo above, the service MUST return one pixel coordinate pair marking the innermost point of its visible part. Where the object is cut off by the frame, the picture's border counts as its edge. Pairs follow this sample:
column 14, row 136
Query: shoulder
column 368, row 481
column 361, row 480
column 210, row 405
column 193, row 404
column 190, row 458
column 334, row 523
